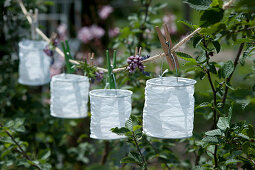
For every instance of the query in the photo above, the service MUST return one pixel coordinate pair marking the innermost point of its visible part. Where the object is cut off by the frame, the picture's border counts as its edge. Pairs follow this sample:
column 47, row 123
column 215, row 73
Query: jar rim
column 158, row 81
column 121, row 93
column 69, row 78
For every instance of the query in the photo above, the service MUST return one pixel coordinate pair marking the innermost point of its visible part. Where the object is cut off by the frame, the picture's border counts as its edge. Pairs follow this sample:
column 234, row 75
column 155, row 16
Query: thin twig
column 139, row 150
column 106, row 152
column 20, row 148
column 229, row 78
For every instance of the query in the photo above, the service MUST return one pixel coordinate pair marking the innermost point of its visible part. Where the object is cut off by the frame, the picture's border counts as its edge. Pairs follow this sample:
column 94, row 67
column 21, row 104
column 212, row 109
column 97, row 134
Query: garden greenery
column 30, row 138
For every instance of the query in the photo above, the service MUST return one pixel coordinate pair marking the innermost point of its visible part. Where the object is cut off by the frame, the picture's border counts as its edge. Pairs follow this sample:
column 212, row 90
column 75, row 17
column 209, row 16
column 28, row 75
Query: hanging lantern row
column 169, row 102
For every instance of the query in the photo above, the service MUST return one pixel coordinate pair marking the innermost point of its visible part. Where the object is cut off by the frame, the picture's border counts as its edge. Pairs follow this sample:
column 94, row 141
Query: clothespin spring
column 171, row 54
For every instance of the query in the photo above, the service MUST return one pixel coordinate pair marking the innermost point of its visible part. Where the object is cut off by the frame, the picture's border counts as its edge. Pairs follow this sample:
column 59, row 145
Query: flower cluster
column 135, row 62
column 99, row 75
column 49, row 48
column 105, row 12
column 88, row 33
column 169, row 19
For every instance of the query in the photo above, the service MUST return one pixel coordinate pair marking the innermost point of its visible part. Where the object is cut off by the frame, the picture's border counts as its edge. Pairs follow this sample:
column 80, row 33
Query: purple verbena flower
column 135, row 62
column 48, row 51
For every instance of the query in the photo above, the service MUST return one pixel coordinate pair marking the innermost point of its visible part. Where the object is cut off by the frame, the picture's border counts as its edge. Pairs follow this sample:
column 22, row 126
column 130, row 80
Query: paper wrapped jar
column 169, row 107
column 110, row 108
column 34, row 64
column 69, row 96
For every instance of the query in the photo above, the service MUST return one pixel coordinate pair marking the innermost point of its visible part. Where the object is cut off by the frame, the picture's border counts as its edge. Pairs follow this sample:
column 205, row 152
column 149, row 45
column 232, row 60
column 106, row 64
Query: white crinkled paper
column 169, row 107
column 110, row 108
column 69, row 96
column 34, row 64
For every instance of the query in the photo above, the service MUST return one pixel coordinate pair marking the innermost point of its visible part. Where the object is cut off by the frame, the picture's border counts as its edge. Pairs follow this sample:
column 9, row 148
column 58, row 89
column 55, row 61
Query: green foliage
column 198, row 4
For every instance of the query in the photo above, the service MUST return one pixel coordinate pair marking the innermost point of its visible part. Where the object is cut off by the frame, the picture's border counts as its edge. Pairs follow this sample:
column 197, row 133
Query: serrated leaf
column 189, row 24
column 227, row 69
column 217, row 46
column 135, row 156
column 201, row 59
column 232, row 161
column 136, row 127
column 223, row 123
column 120, row 131
column 210, row 139
column 185, row 56
column 243, row 136
column 198, row 4
column 129, row 124
column 211, row 16
column 215, row 132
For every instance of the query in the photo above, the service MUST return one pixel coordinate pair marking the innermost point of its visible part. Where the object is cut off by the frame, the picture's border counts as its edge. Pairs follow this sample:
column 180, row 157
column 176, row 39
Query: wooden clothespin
column 91, row 59
column 138, row 52
column 166, row 44
column 34, row 24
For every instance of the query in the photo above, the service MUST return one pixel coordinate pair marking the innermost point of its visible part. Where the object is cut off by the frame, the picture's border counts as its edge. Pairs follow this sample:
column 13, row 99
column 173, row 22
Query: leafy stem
column 20, row 148
column 214, row 103
column 139, row 150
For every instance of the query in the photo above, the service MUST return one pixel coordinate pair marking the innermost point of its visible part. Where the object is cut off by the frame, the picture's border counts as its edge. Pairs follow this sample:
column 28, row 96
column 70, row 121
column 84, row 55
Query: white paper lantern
column 110, row 108
column 34, row 64
column 69, row 96
column 169, row 107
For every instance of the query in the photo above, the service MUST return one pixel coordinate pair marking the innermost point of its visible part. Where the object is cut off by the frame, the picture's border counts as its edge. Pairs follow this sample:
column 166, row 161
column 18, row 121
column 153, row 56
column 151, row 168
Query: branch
column 139, row 150
column 20, row 148
column 229, row 78
column 106, row 152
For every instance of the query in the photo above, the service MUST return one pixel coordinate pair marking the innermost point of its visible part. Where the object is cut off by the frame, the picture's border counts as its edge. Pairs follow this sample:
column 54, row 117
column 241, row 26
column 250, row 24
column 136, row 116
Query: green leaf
column 198, row 4
column 212, row 68
column 204, row 104
column 201, row 59
column 46, row 155
column 243, row 136
column 185, row 56
column 232, row 161
column 227, row 69
column 128, row 160
column 189, row 24
column 136, row 127
column 120, row 131
column 250, row 131
column 129, row 124
column 223, row 123
column 211, row 16
column 245, row 146
column 214, row 132
column 198, row 168
column 217, row 46
column 210, row 139
column 196, row 41
column 135, row 156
